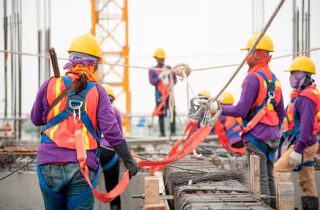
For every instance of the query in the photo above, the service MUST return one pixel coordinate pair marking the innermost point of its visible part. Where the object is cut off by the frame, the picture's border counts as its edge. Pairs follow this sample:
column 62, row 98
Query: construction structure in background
column 12, row 32
column 110, row 26
column 301, row 27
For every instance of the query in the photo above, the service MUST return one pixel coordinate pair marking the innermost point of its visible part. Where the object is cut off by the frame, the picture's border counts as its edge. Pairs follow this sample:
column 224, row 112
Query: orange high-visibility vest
column 63, row 132
column 292, row 121
column 267, row 81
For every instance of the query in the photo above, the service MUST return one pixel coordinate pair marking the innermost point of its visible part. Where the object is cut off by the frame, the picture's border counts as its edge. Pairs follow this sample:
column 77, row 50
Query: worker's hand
column 295, row 159
column 163, row 75
column 213, row 107
column 123, row 151
column 132, row 166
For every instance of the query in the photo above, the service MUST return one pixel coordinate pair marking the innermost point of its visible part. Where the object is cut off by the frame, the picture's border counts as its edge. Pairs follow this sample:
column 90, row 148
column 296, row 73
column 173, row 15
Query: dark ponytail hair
column 81, row 83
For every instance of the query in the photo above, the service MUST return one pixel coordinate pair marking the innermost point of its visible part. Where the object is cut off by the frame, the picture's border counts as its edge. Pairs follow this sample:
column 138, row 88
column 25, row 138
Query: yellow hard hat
column 109, row 90
column 226, row 98
column 205, row 93
column 86, row 44
column 302, row 63
column 159, row 53
column 265, row 43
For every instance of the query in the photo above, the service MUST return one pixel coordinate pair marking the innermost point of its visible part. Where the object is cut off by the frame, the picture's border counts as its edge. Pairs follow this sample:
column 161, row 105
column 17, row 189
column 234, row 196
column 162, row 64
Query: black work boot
column 115, row 207
column 309, row 203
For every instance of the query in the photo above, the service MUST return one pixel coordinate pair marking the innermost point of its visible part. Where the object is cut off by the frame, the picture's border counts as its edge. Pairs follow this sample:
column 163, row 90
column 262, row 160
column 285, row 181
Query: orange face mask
column 87, row 70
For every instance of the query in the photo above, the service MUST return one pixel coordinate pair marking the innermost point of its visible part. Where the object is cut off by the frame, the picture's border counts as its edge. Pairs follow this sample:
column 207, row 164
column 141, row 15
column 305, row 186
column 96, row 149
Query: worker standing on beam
column 262, row 110
column 301, row 129
column 108, row 158
column 163, row 82
column 70, row 142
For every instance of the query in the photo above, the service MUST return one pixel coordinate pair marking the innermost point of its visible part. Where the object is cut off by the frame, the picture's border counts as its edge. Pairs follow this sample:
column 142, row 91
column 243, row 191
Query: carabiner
column 75, row 108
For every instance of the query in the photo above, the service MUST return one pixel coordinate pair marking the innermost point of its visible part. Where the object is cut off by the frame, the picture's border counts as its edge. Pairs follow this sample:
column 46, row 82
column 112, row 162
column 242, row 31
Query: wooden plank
column 286, row 196
column 159, row 206
column 255, row 175
column 151, row 186
column 281, row 178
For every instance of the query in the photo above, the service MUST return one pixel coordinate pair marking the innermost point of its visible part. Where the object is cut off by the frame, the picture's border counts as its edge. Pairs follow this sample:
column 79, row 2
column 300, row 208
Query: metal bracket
column 208, row 119
column 197, row 107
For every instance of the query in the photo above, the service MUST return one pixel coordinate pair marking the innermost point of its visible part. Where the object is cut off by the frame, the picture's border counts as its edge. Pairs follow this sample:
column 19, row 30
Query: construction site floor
column 22, row 191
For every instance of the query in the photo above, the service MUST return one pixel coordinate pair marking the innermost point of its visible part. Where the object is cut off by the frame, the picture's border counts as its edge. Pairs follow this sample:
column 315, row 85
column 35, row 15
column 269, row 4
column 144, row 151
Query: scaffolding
column 110, row 26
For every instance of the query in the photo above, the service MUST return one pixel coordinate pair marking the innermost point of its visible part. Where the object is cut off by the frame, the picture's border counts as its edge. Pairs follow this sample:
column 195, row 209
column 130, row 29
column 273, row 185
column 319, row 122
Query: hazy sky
column 201, row 33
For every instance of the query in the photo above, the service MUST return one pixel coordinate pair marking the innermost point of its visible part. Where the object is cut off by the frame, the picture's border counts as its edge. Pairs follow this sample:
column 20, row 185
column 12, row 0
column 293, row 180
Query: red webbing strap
column 255, row 120
column 193, row 142
column 222, row 136
column 161, row 108
column 82, row 158
column 191, row 126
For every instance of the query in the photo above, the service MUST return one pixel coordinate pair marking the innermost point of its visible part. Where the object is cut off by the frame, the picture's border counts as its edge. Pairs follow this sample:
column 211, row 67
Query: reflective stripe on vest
column 60, row 126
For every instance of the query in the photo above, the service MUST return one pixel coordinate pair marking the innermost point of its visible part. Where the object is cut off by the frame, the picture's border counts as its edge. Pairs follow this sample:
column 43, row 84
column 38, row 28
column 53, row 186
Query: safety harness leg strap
column 111, row 163
column 262, row 148
column 161, row 108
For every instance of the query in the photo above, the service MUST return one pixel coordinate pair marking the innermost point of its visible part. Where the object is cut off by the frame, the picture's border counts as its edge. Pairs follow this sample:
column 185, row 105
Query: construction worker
column 301, row 128
column 70, row 141
column 262, row 111
column 228, row 128
column 108, row 158
column 161, row 79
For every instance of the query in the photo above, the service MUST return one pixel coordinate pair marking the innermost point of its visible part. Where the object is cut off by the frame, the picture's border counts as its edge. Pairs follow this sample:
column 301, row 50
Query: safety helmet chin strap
column 83, row 55
column 256, row 57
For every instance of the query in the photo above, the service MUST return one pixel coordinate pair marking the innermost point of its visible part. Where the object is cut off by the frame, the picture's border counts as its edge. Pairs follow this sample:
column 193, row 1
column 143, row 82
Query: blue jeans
column 66, row 180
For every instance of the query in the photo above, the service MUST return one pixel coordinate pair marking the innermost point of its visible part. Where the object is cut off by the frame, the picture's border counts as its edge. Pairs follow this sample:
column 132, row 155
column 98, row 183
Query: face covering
column 297, row 79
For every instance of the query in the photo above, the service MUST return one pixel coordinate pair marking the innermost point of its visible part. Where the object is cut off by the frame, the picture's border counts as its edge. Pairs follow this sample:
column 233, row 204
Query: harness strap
column 308, row 164
column 232, row 127
column 72, row 203
column 191, row 126
column 262, row 148
column 111, row 163
column 195, row 139
column 223, row 138
column 161, row 108
column 262, row 109
column 69, row 85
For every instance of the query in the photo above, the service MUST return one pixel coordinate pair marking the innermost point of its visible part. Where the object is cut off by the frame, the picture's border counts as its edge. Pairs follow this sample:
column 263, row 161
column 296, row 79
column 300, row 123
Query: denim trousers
column 66, row 180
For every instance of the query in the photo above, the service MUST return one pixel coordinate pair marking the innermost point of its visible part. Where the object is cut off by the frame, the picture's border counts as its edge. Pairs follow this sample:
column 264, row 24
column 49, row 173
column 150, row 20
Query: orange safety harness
column 223, row 138
column 192, row 141
column 164, row 92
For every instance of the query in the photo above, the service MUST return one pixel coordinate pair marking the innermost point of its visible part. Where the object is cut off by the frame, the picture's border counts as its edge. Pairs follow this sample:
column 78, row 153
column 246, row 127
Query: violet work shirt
column 250, row 90
column 49, row 152
column 307, row 110
column 104, row 141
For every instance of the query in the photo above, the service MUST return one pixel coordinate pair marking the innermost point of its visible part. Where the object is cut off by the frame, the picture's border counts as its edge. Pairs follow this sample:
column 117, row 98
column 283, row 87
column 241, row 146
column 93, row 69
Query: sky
column 201, row 33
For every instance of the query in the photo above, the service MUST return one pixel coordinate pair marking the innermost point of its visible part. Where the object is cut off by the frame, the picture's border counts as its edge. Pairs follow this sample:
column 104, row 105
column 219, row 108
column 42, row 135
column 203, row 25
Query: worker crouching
column 301, row 128
column 68, row 155
column 262, row 111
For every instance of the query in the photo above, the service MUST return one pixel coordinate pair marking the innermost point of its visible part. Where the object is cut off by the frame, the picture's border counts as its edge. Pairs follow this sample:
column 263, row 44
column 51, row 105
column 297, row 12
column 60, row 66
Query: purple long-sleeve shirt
column 104, row 141
column 260, row 132
column 307, row 110
column 51, row 153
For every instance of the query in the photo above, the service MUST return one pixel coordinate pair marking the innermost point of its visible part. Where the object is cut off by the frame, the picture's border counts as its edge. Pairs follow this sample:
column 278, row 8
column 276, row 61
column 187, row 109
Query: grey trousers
column 267, row 186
